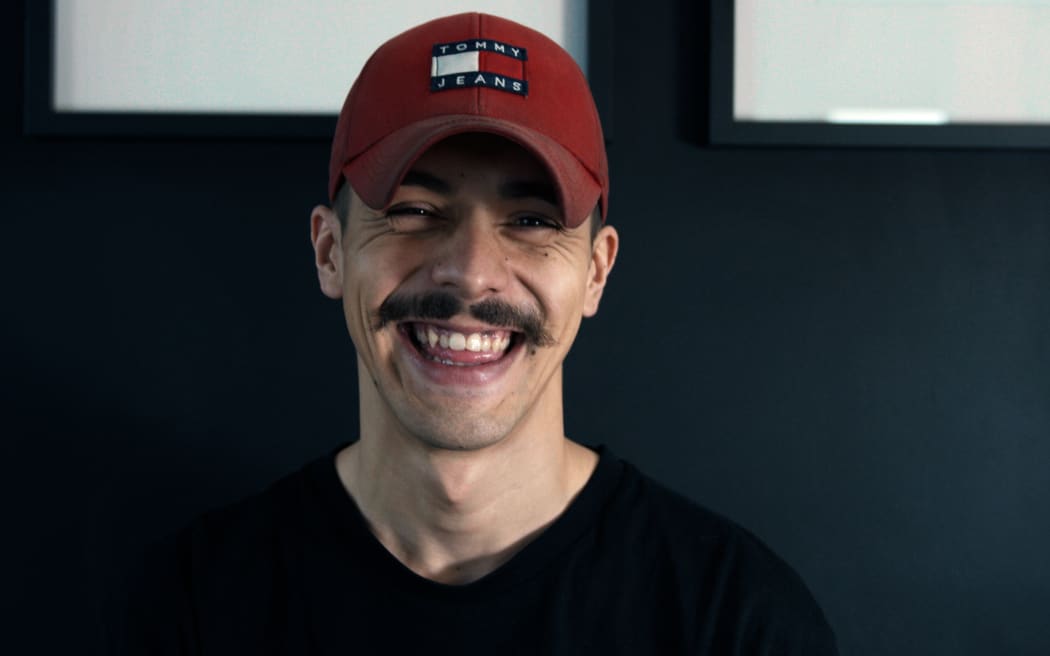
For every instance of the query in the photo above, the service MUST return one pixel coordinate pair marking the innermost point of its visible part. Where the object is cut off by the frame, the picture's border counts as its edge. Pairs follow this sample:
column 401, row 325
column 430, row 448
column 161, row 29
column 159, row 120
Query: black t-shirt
column 629, row 568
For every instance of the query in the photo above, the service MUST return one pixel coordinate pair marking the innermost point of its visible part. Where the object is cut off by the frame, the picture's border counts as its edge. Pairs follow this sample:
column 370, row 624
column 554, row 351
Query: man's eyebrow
column 416, row 178
column 515, row 189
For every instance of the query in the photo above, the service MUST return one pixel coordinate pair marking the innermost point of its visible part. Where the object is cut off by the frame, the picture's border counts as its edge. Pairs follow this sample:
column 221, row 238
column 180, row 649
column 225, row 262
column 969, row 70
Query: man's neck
column 454, row 516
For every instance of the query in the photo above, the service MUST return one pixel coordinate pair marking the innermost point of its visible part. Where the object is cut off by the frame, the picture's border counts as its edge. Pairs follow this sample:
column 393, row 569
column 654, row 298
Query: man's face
column 464, row 296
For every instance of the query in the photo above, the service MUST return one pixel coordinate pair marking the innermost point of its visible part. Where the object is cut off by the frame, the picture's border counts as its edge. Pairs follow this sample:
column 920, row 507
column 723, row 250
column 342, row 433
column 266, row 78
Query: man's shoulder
column 716, row 567
column 285, row 509
column 677, row 519
column 218, row 574
column 686, row 529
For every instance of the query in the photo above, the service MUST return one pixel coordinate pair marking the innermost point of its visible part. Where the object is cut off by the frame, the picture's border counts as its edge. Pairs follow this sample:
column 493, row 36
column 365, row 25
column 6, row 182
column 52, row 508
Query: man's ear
column 326, row 234
column 603, row 257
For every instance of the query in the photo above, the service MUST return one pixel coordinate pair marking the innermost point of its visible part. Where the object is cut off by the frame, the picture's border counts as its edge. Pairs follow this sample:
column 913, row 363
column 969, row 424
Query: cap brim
column 376, row 173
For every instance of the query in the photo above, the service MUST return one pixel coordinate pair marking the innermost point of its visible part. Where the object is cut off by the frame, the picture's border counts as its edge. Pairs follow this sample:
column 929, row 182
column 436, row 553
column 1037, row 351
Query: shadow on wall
column 90, row 487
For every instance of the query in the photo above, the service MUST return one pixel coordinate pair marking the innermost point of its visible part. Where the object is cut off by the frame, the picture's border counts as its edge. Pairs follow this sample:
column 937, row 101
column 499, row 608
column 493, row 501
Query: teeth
column 474, row 342
column 457, row 341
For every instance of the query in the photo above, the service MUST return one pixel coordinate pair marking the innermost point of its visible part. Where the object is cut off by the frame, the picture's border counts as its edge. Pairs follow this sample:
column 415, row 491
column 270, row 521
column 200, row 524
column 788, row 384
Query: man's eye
column 533, row 221
column 412, row 219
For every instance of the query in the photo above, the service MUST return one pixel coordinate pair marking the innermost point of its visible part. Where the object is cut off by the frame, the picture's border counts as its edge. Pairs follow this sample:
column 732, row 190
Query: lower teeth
column 449, row 363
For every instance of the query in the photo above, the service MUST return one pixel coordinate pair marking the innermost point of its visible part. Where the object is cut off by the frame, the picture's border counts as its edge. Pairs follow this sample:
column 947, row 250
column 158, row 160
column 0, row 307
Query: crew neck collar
column 543, row 550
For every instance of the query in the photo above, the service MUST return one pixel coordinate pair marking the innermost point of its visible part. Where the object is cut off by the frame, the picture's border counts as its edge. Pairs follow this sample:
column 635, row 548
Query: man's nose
column 472, row 259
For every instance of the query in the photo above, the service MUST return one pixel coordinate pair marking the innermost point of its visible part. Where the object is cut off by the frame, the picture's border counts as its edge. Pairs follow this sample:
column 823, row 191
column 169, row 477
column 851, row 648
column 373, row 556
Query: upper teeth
column 476, row 342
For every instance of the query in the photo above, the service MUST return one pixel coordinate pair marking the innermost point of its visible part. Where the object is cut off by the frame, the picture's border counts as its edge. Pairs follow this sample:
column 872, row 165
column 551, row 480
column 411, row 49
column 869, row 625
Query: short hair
column 343, row 198
column 341, row 204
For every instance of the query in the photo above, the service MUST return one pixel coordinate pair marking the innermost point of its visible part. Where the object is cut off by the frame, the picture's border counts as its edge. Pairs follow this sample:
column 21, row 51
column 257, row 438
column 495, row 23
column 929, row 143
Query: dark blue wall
column 848, row 351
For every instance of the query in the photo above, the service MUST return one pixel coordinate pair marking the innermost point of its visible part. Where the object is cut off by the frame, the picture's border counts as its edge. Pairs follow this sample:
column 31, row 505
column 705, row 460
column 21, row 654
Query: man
column 466, row 242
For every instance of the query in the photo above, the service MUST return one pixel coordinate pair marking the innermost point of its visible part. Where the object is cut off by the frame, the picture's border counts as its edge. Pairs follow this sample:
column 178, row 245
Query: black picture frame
column 41, row 118
column 726, row 130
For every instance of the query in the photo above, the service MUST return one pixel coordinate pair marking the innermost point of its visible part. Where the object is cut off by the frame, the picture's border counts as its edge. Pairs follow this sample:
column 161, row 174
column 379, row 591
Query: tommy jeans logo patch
column 478, row 63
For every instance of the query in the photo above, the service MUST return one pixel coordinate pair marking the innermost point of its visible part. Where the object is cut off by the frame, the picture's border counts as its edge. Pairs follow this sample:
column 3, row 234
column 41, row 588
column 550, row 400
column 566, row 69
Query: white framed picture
column 185, row 67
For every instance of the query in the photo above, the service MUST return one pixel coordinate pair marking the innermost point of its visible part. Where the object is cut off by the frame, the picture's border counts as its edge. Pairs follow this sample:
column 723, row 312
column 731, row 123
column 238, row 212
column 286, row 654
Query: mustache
column 440, row 305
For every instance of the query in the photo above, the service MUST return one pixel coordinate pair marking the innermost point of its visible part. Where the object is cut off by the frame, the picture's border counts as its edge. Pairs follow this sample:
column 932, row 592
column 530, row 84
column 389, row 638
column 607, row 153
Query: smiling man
column 466, row 240
column 462, row 296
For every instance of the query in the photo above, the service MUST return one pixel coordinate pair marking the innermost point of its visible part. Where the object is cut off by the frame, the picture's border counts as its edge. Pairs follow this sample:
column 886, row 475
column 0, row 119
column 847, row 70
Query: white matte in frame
column 250, row 56
column 897, row 62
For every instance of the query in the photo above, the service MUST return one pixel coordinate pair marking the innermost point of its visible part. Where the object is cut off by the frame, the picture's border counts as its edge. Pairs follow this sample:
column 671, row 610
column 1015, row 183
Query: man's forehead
column 517, row 173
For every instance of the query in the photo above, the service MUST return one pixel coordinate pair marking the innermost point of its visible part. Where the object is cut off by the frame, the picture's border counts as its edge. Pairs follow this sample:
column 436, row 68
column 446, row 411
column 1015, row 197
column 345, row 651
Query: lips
column 454, row 347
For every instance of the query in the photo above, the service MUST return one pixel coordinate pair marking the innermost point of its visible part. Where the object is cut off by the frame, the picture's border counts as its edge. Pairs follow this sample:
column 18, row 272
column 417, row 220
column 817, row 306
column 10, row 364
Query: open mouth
column 459, row 349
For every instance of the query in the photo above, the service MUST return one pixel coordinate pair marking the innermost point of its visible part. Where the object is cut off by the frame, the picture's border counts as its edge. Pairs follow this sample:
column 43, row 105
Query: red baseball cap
column 471, row 73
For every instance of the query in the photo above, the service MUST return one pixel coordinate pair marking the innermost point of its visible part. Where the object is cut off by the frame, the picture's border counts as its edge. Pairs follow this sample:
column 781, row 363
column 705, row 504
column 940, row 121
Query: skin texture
column 457, row 468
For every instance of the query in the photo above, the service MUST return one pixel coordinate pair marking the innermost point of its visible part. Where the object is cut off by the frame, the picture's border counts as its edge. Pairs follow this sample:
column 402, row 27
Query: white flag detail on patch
column 460, row 62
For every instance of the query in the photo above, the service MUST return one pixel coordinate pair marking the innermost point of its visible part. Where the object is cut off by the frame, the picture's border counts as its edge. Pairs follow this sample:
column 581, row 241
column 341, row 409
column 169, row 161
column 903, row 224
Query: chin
column 460, row 434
